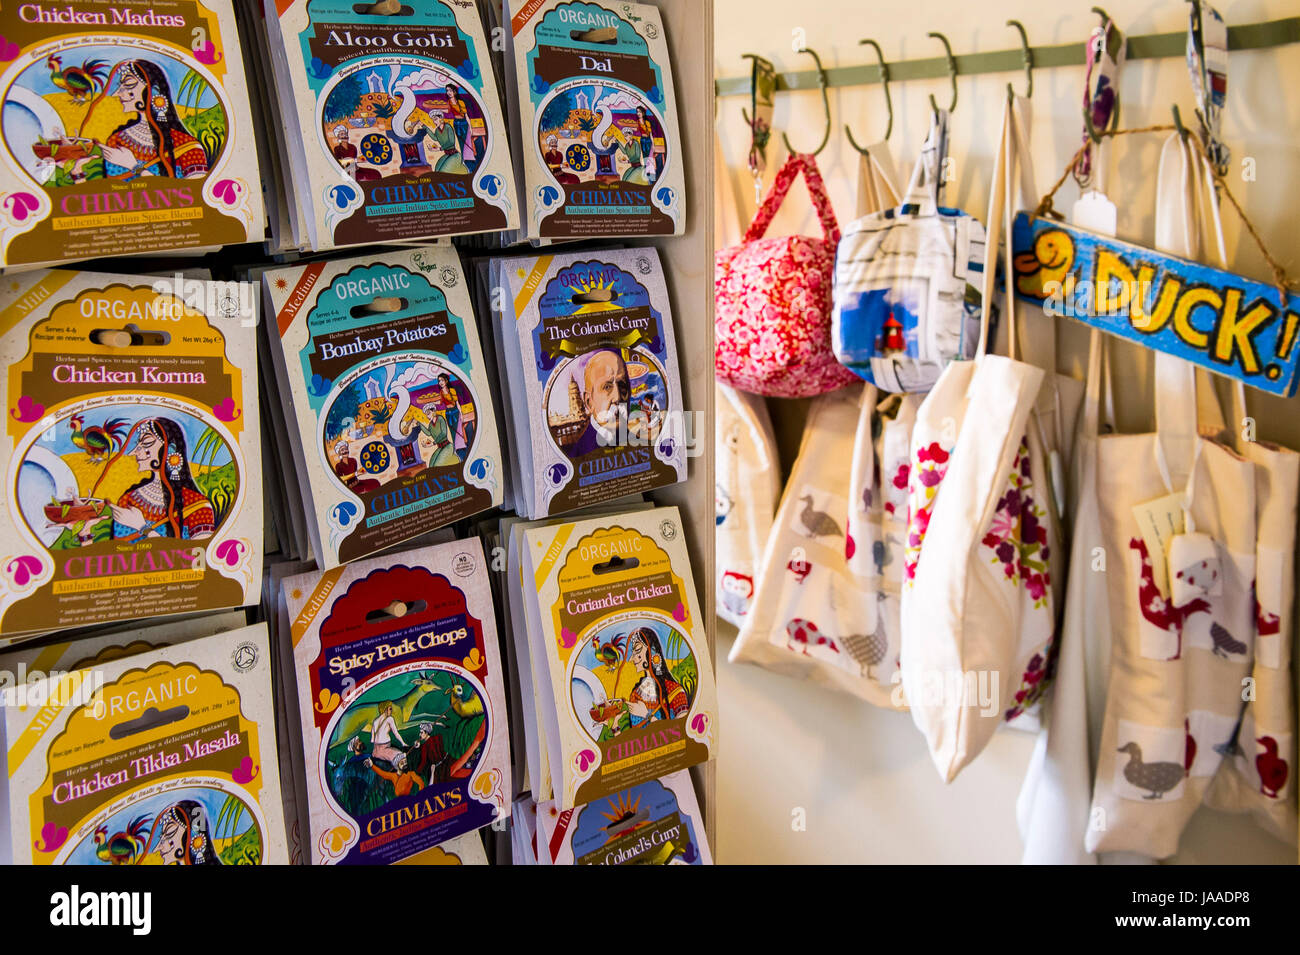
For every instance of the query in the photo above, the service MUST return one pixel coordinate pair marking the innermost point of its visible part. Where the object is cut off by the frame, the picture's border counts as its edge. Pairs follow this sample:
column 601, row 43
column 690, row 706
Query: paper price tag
column 1159, row 522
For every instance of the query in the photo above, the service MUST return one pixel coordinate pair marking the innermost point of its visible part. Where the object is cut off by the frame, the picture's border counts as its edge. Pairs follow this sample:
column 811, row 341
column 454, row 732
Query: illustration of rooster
column 98, row 441
column 123, row 848
column 611, row 653
column 80, row 82
column 1272, row 768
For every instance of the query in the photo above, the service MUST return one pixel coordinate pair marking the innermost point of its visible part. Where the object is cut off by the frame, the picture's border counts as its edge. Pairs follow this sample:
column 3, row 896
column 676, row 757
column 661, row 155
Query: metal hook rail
column 1152, row 46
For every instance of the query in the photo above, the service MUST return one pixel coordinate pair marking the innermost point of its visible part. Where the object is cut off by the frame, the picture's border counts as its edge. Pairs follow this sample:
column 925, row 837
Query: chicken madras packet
column 402, row 705
column 166, row 757
column 132, row 449
column 631, row 693
column 128, row 131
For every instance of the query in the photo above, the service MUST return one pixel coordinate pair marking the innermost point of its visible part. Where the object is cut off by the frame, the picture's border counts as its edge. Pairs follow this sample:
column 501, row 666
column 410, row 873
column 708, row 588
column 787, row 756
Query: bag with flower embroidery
column 982, row 540
column 773, row 322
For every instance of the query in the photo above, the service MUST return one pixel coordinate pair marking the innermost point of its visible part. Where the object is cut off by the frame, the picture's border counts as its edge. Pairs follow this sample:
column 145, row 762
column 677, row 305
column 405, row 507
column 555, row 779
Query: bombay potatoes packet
column 165, row 757
column 402, row 702
column 390, row 394
column 657, row 822
column 131, row 447
column 399, row 121
column 600, row 391
column 127, row 130
column 601, row 151
column 632, row 691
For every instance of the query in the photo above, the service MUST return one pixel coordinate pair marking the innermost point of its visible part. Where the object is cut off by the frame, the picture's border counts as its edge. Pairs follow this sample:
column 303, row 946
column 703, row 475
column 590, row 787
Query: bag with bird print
column 815, row 611
column 983, row 536
column 1177, row 512
column 747, row 473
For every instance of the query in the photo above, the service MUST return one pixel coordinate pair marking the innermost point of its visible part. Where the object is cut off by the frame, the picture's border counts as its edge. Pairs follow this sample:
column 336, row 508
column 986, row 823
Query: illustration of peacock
column 79, row 82
column 98, row 441
column 1156, row 778
column 818, row 523
column 123, row 848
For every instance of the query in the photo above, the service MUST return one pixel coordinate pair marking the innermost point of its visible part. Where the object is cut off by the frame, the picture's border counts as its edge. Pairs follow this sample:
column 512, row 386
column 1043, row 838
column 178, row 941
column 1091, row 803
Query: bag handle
column 921, row 198
column 812, row 177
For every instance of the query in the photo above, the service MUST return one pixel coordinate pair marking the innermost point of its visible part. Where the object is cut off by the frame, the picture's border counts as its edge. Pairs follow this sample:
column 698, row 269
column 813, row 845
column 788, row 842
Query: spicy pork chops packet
column 131, row 447
column 127, row 130
column 396, row 132
column 597, row 141
column 164, row 757
column 401, row 701
column 390, row 416
column 616, row 618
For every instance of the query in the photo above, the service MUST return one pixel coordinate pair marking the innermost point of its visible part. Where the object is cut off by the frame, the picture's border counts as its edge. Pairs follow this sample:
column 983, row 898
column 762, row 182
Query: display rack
column 1152, row 46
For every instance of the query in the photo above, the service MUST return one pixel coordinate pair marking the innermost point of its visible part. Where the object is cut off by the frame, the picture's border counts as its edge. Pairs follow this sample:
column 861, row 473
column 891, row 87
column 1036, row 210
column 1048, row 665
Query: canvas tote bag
column 1183, row 628
column 747, row 474
column 814, row 614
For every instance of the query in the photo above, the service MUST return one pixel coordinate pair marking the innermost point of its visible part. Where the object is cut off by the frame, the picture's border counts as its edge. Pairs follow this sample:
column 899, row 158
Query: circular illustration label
column 601, row 131
column 101, row 113
column 391, row 419
column 403, row 733
column 634, row 669
column 171, row 824
column 403, row 118
column 103, row 474
column 604, row 399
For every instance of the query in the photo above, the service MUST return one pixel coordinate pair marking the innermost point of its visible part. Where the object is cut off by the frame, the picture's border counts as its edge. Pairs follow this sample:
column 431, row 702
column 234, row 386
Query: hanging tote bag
column 907, row 284
column 1177, row 515
column 747, row 472
column 977, row 612
column 814, row 616
column 773, row 301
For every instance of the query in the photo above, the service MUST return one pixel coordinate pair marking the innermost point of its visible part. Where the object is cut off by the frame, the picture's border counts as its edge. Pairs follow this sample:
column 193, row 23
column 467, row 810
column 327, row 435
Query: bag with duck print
column 1177, row 511
column 815, row 611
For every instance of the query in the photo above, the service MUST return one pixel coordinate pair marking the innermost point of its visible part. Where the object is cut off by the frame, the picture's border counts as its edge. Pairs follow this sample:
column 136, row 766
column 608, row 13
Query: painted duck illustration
column 123, row 848
column 1273, row 769
column 1156, row 778
column 80, row 82
column 1225, row 645
column 98, row 441
column 819, row 523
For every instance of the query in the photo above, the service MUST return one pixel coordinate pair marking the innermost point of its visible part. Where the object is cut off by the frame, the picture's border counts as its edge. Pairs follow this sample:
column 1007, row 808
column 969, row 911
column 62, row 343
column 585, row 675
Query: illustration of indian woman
column 154, row 142
column 167, row 503
column 656, row 696
column 183, row 836
column 460, row 417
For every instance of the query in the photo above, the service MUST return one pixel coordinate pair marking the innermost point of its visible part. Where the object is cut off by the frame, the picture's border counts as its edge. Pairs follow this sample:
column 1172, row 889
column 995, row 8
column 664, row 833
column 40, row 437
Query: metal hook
column 757, row 59
column 889, row 103
column 1094, row 133
column 1102, row 13
column 1029, row 60
column 952, row 72
column 1178, row 123
column 826, row 107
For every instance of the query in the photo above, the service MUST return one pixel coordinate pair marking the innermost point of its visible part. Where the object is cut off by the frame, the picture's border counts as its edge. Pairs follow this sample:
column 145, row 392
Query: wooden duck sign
column 1229, row 324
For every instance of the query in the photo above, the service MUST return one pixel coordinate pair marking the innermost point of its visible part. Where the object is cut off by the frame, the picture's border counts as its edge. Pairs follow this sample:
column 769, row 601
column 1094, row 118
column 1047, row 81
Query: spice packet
column 632, row 695
column 401, row 700
column 132, row 448
column 128, row 130
column 397, row 130
column 598, row 144
column 165, row 757
column 390, row 407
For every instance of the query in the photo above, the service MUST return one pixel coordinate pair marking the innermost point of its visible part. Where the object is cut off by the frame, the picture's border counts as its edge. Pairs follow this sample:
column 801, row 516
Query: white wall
column 862, row 775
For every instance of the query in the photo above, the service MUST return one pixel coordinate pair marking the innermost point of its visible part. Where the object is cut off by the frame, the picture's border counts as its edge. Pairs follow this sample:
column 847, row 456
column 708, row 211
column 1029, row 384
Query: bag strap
column 876, row 190
column 812, row 177
column 922, row 195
